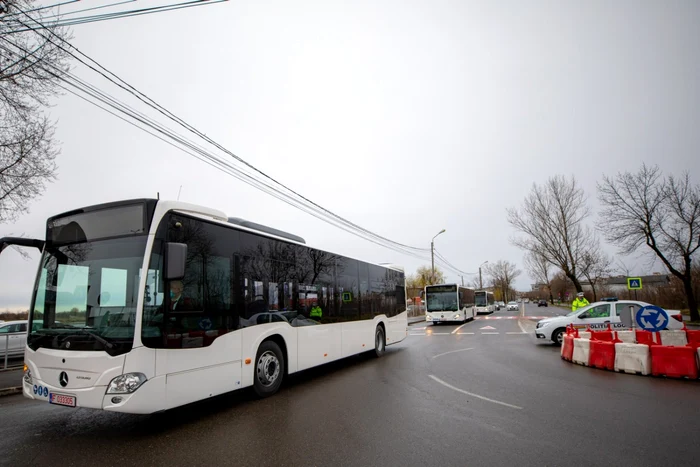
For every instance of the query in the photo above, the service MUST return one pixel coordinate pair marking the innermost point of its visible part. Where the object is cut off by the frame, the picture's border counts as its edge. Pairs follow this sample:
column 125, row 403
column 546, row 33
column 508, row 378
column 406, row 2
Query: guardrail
column 5, row 349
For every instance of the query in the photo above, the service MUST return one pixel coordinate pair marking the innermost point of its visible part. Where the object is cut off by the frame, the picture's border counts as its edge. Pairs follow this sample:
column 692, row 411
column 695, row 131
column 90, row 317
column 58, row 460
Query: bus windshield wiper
column 98, row 338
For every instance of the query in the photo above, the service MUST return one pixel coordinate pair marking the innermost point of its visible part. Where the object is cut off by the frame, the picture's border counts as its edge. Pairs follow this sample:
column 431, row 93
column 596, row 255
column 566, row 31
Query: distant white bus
column 144, row 305
column 484, row 302
column 449, row 303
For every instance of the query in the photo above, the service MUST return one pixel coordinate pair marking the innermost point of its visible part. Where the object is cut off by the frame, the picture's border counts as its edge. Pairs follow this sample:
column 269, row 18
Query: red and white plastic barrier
column 582, row 351
column 675, row 338
column 632, row 358
column 567, row 346
column 674, row 362
column 673, row 354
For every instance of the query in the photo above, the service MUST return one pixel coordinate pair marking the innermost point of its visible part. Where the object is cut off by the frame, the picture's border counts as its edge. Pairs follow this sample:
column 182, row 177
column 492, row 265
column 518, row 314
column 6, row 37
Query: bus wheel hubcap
column 268, row 368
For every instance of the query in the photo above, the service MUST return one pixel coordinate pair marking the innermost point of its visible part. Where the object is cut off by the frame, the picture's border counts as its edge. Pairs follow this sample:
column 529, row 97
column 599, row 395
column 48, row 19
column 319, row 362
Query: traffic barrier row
column 673, row 354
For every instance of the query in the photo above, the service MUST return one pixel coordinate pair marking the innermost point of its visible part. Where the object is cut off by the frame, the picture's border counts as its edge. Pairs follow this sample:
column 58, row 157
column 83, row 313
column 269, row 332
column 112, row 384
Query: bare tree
column 663, row 213
column 595, row 266
column 502, row 274
column 552, row 219
column 540, row 269
column 32, row 62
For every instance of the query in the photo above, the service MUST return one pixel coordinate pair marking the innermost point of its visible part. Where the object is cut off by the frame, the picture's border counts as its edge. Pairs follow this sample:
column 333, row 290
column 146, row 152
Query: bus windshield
column 442, row 299
column 481, row 299
column 85, row 296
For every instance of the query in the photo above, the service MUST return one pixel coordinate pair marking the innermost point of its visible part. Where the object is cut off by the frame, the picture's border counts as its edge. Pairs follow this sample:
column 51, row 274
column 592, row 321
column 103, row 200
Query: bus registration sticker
column 62, row 399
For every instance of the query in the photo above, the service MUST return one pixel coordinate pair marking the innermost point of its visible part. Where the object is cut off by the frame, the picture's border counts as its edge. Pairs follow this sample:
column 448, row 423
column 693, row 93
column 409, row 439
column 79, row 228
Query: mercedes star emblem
column 63, row 379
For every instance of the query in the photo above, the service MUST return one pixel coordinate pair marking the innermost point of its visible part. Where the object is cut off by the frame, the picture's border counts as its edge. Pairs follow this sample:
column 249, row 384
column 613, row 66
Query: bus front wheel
column 269, row 369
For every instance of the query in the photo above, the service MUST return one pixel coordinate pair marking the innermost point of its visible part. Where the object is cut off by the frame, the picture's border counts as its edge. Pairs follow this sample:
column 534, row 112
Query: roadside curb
column 10, row 391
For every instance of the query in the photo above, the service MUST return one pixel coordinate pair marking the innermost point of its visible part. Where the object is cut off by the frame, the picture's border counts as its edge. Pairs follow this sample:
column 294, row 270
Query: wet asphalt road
column 469, row 398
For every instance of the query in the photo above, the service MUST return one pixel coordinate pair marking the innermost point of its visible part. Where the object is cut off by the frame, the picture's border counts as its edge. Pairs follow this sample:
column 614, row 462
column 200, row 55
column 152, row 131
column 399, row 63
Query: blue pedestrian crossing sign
column 651, row 318
column 634, row 283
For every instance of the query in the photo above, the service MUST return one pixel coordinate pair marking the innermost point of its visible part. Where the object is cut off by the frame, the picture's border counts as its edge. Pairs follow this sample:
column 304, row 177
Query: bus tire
column 269, row 369
column 379, row 342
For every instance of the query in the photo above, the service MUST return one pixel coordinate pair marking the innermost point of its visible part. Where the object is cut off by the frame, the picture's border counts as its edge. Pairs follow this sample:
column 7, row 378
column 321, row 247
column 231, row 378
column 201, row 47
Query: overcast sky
column 405, row 117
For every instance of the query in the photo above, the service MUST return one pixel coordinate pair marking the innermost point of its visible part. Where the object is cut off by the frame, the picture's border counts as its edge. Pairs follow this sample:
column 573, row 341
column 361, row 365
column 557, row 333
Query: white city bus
column 144, row 305
column 448, row 303
column 484, row 302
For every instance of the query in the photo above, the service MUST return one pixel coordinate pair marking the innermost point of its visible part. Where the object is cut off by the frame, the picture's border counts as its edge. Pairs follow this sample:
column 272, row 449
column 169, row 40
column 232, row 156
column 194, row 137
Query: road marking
column 458, row 328
column 487, row 327
column 417, row 334
column 516, row 333
column 448, row 385
column 452, row 351
column 439, row 334
column 520, row 325
column 419, row 329
column 462, row 333
column 515, row 317
column 489, row 333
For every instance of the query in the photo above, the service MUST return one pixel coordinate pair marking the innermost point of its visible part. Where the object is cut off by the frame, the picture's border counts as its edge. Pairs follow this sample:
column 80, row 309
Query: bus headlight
column 457, row 315
column 27, row 375
column 126, row 384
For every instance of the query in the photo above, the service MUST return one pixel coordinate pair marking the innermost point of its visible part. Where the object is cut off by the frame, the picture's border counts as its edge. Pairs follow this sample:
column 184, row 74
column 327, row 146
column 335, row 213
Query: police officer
column 316, row 312
column 579, row 302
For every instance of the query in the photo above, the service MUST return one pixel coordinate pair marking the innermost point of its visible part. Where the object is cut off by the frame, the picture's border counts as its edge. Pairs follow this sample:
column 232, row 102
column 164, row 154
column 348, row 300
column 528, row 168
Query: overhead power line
column 267, row 184
column 451, row 266
column 62, row 21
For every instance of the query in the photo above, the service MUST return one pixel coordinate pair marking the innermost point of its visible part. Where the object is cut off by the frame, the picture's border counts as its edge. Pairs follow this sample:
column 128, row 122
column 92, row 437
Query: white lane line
column 419, row 329
column 439, row 334
column 463, row 333
column 452, row 351
column 489, row 333
column 517, row 332
column 417, row 334
column 520, row 325
column 448, row 385
column 458, row 328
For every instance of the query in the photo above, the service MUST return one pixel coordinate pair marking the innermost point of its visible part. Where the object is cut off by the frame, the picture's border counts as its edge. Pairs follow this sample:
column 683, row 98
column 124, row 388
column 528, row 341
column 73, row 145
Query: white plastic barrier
column 582, row 351
column 627, row 337
column 584, row 335
column 676, row 338
column 632, row 358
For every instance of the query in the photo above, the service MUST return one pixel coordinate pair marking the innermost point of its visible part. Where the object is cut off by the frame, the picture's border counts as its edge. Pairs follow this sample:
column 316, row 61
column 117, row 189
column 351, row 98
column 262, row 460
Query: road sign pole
column 635, row 294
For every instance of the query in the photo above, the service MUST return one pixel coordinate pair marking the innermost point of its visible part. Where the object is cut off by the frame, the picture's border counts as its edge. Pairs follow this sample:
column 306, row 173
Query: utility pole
column 432, row 254
column 481, row 284
column 462, row 280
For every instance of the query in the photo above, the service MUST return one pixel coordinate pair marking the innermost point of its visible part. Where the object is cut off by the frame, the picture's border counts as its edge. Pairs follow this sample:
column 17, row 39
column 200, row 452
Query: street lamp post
column 481, row 284
column 432, row 252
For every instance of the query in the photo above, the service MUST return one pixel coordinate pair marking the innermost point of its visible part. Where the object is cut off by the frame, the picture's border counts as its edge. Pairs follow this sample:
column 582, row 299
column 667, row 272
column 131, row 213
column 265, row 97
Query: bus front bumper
column 148, row 398
column 444, row 317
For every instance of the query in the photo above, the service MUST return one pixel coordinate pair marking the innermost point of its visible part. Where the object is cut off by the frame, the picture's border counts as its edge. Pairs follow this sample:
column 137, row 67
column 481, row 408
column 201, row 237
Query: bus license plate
column 62, row 399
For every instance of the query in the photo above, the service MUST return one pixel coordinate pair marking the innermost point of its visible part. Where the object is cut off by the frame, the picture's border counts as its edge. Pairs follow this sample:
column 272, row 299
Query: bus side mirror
column 175, row 256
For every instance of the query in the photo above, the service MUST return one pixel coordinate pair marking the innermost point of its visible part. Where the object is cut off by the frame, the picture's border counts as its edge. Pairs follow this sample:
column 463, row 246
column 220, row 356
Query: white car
column 607, row 312
column 13, row 335
column 512, row 306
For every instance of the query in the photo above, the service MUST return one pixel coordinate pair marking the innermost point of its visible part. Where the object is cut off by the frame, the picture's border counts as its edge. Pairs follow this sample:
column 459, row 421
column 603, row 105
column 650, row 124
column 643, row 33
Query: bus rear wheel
column 379, row 342
column 269, row 369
